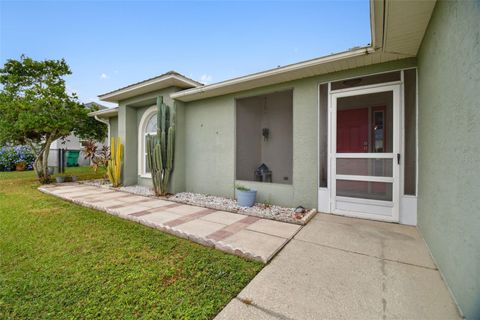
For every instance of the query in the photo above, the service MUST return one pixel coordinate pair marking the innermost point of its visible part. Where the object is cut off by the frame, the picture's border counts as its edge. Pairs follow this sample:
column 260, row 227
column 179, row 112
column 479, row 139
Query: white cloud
column 104, row 76
column 206, row 78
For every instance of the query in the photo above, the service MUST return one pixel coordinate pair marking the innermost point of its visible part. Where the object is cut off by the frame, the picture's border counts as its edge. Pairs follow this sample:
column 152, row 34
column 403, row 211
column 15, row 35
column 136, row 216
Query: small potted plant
column 245, row 196
column 60, row 178
column 20, row 165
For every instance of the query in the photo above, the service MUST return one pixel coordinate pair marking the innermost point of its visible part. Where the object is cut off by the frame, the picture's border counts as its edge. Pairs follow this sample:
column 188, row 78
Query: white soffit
column 405, row 25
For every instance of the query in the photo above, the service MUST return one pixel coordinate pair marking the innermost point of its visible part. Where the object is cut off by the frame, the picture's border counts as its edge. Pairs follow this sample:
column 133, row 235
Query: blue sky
column 110, row 44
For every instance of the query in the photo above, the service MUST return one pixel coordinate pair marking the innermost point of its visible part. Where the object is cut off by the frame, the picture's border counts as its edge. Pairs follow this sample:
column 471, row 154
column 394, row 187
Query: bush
column 10, row 156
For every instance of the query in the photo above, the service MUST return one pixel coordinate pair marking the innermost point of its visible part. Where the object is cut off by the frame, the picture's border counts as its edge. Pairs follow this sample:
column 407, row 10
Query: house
column 387, row 132
column 72, row 143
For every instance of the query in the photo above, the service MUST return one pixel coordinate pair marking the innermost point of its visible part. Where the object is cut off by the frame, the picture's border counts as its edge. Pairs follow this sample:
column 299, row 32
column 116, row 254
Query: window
column 151, row 129
column 147, row 126
column 323, row 136
column 410, row 173
column 264, row 138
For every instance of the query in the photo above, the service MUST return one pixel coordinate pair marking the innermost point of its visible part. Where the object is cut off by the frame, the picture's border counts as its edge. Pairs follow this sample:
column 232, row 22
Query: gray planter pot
column 246, row 198
column 60, row 179
column 74, row 178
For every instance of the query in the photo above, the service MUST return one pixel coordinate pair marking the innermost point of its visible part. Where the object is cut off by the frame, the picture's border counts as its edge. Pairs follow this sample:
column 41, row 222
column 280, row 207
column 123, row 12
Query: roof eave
column 163, row 82
column 106, row 113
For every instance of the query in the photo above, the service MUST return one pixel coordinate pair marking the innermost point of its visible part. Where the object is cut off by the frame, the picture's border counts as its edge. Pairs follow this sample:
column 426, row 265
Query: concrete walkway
column 344, row 268
column 247, row 236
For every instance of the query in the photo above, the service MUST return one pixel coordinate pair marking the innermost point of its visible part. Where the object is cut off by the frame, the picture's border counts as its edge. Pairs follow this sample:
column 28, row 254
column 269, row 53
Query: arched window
column 148, row 126
column 150, row 129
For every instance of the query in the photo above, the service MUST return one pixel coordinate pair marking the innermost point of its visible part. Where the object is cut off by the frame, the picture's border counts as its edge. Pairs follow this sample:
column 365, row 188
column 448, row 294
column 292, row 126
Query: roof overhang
column 328, row 64
column 397, row 29
column 405, row 23
column 105, row 113
column 170, row 79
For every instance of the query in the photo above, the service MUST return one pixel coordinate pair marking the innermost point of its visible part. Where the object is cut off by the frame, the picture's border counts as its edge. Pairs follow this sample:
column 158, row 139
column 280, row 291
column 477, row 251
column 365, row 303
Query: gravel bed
column 260, row 210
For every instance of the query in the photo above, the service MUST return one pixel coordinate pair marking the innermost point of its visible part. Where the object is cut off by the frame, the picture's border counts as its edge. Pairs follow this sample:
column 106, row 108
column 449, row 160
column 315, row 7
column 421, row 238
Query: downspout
column 107, row 122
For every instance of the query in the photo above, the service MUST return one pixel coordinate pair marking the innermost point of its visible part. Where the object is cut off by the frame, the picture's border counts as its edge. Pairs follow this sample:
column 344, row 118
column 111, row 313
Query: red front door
column 352, row 137
column 352, row 130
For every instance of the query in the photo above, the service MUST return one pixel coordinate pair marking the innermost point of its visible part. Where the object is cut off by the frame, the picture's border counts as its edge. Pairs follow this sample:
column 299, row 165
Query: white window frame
column 142, row 153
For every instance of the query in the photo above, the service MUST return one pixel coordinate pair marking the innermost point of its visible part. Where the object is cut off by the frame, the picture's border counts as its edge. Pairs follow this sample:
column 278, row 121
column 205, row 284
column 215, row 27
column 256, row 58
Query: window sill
column 146, row 175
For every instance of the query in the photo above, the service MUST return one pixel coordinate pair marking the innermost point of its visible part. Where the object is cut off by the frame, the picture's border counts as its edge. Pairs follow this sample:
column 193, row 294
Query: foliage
column 62, row 261
column 88, row 128
column 114, row 167
column 35, row 108
column 10, row 156
column 160, row 148
column 241, row 188
column 98, row 157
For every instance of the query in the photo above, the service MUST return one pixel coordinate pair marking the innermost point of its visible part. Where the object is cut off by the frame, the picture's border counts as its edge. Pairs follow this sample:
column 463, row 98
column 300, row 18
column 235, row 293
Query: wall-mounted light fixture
column 265, row 134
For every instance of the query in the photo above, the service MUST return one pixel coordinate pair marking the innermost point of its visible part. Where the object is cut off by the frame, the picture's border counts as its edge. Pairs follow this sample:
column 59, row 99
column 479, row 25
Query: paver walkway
column 247, row 236
column 345, row 268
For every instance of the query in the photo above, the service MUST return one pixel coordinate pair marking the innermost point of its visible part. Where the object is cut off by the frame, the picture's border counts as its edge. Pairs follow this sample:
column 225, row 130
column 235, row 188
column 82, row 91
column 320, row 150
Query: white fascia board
column 273, row 72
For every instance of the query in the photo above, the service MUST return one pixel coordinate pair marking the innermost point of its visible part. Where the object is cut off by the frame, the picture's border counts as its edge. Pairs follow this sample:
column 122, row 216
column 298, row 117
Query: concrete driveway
column 345, row 268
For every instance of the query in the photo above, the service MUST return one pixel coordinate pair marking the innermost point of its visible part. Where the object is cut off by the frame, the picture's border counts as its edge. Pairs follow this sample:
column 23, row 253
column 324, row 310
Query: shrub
column 10, row 156
column 241, row 188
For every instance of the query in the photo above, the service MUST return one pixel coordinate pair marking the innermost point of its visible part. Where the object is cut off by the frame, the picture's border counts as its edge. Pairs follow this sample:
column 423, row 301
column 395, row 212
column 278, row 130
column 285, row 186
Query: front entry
column 365, row 144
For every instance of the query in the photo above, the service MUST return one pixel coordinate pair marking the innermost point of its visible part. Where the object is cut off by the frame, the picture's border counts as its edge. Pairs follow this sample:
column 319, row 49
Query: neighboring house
column 387, row 132
column 72, row 143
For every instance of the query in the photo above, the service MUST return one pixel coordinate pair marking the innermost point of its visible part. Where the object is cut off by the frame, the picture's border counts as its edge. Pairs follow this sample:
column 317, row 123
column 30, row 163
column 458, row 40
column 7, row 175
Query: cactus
column 114, row 168
column 160, row 148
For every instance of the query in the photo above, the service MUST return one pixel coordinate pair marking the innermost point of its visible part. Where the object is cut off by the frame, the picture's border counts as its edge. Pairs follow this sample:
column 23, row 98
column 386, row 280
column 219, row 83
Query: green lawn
column 62, row 261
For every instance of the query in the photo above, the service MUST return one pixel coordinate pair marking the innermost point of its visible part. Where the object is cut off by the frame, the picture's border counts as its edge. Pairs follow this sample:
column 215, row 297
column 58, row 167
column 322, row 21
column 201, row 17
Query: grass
column 59, row 260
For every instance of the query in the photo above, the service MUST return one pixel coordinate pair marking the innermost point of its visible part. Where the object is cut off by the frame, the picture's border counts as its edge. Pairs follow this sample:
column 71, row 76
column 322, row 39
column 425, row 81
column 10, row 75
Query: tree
column 35, row 108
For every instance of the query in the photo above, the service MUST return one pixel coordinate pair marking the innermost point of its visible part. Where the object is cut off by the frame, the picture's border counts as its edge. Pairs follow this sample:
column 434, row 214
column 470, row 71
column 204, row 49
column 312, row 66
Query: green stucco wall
column 449, row 147
column 113, row 126
column 210, row 140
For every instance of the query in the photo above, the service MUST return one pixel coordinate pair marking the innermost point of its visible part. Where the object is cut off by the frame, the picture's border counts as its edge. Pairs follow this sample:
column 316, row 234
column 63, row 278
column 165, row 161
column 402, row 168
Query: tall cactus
column 114, row 168
column 160, row 148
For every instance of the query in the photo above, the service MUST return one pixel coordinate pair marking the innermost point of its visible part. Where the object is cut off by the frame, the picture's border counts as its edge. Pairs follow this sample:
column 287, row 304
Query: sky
column 111, row 44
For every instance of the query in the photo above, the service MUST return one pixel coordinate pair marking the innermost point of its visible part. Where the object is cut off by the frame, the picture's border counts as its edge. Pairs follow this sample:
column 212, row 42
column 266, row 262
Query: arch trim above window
column 142, row 126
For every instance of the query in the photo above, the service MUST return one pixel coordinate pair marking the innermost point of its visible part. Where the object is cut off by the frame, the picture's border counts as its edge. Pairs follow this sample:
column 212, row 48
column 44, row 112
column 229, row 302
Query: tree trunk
column 41, row 161
column 45, row 178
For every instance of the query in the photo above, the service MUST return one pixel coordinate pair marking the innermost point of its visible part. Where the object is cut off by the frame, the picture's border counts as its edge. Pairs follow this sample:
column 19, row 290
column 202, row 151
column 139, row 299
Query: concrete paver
column 185, row 209
column 223, row 217
column 201, row 228
column 155, row 203
column 264, row 245
column 130, row 209
column 160, row 217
